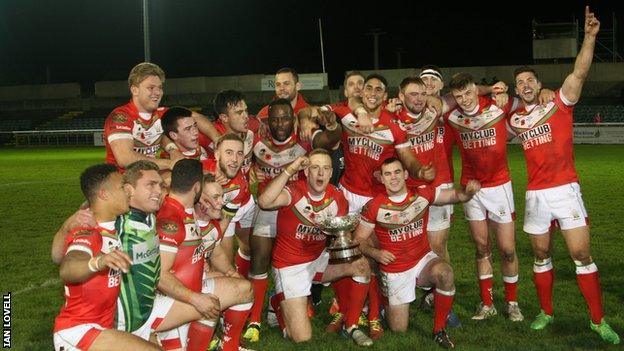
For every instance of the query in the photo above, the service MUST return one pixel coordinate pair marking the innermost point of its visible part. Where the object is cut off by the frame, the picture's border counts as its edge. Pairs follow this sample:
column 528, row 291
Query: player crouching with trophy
column 299, row 255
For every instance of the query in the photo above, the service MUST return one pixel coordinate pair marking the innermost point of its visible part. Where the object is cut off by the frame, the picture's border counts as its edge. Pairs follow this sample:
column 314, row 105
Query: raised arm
column 573, row 84
column 206, row 126
column 453, row 196
column 274, row 195
column 328, row 138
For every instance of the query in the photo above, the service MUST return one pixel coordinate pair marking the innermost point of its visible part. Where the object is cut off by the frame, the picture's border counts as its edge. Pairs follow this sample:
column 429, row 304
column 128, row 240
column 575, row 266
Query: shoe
column 363, row 320
column 513, row 312
column 426, row 302
column 336, row 323
column 375, row 329
column 453, row 321
column 605, row 331
column 335, row 307
column 542, row 320
column 271, row 318
column 215, row 344
column 442, row 339
column 315, row 293
column 252, row 334
column 219, row 347
column 358, row 337
column 484, row 312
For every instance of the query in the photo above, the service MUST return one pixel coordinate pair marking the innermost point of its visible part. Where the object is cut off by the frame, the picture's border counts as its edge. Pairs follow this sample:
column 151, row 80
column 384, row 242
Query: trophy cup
column 342, row 248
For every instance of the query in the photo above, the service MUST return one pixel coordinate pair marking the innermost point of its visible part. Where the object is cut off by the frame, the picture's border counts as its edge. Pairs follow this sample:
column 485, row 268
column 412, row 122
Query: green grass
column 40, row 189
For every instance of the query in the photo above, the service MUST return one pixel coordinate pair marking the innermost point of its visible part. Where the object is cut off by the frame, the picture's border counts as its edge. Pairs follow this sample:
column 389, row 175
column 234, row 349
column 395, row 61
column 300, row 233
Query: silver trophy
column 342, row 248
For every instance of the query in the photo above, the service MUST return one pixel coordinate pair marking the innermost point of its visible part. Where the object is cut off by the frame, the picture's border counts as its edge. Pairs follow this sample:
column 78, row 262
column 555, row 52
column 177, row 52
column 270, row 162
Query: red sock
column 242, row 263
column 275, row 301
column 374, row 299
column 589, row 283
column 341, row 291
column 442, row 302
column 357, row 296
column 260, row 283
column 485, row 284
column 543, row 277
column 234, row 319
column 200, row 335
column 511, row 288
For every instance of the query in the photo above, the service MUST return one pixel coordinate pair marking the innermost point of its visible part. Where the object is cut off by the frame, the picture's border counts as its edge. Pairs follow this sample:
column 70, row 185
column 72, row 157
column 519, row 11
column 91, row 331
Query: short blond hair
column 143, row 70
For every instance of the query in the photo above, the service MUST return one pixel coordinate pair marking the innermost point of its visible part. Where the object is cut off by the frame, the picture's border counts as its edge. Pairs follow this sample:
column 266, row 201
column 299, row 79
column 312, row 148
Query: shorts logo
column 501, row 212
column 576, row 215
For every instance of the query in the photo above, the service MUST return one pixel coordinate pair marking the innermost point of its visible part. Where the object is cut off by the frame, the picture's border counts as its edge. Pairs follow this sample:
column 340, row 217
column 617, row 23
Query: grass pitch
column 40, row 189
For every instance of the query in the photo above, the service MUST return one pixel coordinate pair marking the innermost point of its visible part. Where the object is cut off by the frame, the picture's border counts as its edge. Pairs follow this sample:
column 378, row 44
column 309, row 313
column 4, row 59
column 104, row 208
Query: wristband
column 170, row 147
column 90, row 263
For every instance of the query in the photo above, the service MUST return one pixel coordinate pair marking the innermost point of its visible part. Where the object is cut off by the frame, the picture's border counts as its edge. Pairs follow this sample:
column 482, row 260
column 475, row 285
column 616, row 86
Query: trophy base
column 344, row 255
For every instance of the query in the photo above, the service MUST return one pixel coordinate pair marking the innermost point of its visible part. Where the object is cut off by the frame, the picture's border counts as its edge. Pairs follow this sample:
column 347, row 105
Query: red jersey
column 144, row 129
column 482, row 141
column 179, row 234
column 401, row 226
column 263, row 114
column 94, row 300
column 445, row 137
column 235, row 192
column 248, row 142
column 364, row 153
column 298, row 238
column 272, row 156
column 211, row 235
column 546, row 135
column 425, row 143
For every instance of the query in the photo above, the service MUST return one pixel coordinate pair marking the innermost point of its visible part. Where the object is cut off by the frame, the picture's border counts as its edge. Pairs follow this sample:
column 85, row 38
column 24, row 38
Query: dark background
column 86, row 41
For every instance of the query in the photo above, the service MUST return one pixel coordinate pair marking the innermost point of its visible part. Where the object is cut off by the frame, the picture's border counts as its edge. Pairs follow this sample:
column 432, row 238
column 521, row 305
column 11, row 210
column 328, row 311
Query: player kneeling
column 91, row 269
column 299, row 253
column 399, row 221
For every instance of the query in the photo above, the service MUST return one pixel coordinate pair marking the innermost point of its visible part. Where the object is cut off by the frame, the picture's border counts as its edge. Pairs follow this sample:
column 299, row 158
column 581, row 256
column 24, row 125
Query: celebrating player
column 553, row 192
column 399, row 220
column 299, row 248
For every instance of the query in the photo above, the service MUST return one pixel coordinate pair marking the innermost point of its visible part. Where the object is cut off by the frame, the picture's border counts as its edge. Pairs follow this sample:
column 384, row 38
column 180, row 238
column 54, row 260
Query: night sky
column 86, row 41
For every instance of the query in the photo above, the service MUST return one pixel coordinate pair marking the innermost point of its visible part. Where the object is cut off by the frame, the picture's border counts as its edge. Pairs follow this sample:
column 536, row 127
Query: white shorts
column 244, row 217
column 495, row 203
column 440, row 216
column 400, row 288
column 162, row 305
column 266, row 223
column 562, row 203
column 296, row 281
column 174, row 338
column 79, row 337
column 356, row 202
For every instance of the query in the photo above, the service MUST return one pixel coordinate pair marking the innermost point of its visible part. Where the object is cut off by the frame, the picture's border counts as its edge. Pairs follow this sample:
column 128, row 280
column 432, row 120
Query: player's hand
column 499, row 87
column 115, row 259
column 385, row 257
column 546, row 96
column 501, row 99
column 299, row 164
column 364, row 121
column 207, row 304
column 394, row 105
column 434, row 104
column 306, row 128
column 427, row 172
column 472, row 187
column 327, row 119
column 82, row 218
column 257, row 174
column 592, row 24
column 221, row 178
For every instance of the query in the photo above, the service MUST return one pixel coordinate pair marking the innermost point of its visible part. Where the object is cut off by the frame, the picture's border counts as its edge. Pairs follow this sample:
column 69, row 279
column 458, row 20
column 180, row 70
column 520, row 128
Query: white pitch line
column 30, row 287
column 64, row 180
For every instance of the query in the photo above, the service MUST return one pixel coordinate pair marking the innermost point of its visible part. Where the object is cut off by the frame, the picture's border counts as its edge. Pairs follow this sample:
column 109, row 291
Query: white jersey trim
column 78, row 247
column 119, row 136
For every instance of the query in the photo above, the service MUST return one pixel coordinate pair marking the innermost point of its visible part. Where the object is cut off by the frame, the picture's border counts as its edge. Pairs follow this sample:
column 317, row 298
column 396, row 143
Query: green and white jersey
column 137, row 233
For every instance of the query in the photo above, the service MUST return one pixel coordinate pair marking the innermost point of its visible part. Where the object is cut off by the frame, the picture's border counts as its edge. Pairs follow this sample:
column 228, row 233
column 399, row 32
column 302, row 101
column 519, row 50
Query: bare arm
column 274, row 195
column 220, row 262
column 573, row 84
column 81, row 218
column 206, row 127
column 361, row 234
column 415, row 169
column 332, row 133
column 123, row 150
column 453, row 196
column 78, row 266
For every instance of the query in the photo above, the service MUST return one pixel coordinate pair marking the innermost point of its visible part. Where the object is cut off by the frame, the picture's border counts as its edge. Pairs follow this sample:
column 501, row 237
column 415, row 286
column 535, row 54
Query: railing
column 84, row 137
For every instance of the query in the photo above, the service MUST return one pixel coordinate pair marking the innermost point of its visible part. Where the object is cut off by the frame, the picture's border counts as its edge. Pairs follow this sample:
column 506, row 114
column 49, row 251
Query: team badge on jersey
column 169, row 227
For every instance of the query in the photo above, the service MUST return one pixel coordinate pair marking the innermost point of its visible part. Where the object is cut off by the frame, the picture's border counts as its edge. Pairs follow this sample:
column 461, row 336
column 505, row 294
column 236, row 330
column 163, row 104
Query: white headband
column 432, row 73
